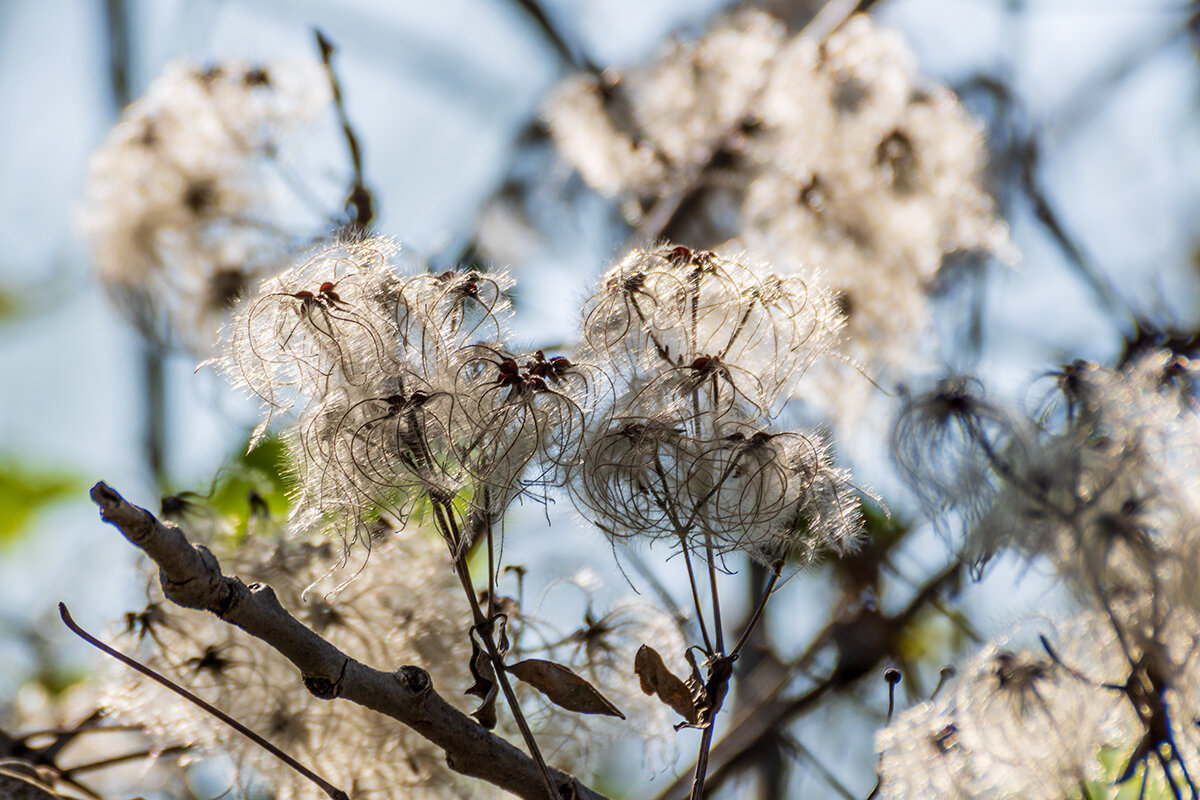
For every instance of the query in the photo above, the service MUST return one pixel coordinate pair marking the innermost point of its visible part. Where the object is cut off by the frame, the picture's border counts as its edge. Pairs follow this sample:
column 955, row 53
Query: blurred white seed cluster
column 399, row 612
column 832, row 154
column 1111, row 492
column 1041, row 722
column 1102, row 489
column 190, row 199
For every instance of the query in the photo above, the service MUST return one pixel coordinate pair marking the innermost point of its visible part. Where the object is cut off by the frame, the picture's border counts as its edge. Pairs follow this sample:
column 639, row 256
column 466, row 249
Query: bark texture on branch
column 191, row 577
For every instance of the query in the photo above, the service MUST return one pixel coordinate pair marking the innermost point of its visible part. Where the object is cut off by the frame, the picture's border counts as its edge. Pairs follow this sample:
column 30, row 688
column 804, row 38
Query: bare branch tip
column 325, row 45
column 105, row 496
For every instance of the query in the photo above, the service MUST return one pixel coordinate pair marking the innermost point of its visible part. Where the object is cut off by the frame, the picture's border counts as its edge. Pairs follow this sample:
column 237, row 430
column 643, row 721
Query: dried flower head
column 1108, row 490
column 631, row 135
column 1013, row 723
column 831, row 153
column 403, row 390
column 702, row 351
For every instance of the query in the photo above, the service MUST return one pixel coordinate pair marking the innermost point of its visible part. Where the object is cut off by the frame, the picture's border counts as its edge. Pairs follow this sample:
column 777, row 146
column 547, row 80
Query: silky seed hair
column 954, row 447
column 669, row 321
column 631, row 134
column 401, row 390
column 326, row 325
column 832, row 153
column 701, row 352
column 1108, row 490
column 1016, row 722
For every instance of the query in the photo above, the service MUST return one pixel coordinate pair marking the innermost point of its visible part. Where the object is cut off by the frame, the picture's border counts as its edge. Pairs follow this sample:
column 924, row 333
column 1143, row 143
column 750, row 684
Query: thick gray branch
column 191, row 577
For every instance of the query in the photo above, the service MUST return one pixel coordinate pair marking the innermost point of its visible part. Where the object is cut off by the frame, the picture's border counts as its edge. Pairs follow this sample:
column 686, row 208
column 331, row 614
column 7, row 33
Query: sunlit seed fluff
column 610, row 160
column 183, row 208
column 701, row 352
column 953, row 446
column 404, row 390
column 669, row 322
column 921, row 758
column 327, row 323
column 834, row 154
column 697, row 93
column 1033, row 729
column 872, row 175
column 1108, row 491
column 1015, row 723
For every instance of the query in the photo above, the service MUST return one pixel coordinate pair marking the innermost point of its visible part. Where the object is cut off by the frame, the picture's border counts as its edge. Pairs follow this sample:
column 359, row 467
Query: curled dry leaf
column 709, row 696
column 484, row 687
column 563, row 687
column 656, row 679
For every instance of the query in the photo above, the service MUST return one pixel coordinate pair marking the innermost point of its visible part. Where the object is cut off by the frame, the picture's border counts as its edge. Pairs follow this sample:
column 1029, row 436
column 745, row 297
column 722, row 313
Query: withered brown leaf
column 485, row 686
column 656, row 679
column 563, row 687
column 707, row 695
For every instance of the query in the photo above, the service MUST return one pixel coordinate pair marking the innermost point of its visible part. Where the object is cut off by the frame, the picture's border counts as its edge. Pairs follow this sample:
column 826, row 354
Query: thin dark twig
column 752, row 727
column 534, row 10
column 112, row 761
column 702, row 763
column 325, row 786
column 484, row 626
column 1046, row 214
column 360, row 201
column 687, row 561
column 718, row 633
column 758, row 612
column 799, row 749
column 154, row 425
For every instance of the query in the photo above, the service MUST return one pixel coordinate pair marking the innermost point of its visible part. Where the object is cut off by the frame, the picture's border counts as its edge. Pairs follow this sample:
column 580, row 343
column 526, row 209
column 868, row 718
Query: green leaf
column 253, row 484
column 10, row 309
column 27, row 492
column 262, row 471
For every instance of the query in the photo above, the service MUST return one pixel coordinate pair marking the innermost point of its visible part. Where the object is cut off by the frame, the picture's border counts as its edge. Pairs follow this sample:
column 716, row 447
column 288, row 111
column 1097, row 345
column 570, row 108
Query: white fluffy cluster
column 403, row 388
column 1102, row 488
column 832, row 154
column 186, row 202
column 1038, row 724
column 1108, row 491
column 871, row 174
column 701, row 351
column 640, row 134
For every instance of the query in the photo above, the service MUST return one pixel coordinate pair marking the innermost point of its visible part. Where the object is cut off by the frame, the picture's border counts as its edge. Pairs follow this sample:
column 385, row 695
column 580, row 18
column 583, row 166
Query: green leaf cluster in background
column 255, row 484
column 26, row 491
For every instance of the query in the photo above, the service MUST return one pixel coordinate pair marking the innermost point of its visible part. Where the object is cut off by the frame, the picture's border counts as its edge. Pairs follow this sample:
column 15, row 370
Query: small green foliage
column 1113, row 763
column 10, row 309
column 27, row 491
column 256, row 484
